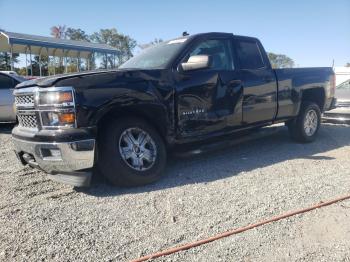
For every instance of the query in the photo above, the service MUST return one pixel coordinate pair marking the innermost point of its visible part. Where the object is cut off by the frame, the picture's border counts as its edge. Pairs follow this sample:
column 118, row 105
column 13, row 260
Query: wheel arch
column 154, row 114
column 314, row 94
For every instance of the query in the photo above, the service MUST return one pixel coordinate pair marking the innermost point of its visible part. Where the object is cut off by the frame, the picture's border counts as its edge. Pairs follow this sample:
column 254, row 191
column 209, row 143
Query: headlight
column 56, row 98
column 56, row 107
column 58, row 119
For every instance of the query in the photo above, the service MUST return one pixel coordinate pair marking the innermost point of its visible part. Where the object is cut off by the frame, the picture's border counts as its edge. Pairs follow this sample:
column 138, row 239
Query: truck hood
column 51, row 80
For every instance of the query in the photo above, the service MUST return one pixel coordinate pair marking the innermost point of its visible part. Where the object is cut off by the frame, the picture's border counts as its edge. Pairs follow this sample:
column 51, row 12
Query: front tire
column 305, row 127
column 132, row 153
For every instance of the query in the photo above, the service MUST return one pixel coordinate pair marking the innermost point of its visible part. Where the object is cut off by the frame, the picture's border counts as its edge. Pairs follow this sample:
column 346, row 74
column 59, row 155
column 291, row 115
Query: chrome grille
column 29, row 121
column 26, row 100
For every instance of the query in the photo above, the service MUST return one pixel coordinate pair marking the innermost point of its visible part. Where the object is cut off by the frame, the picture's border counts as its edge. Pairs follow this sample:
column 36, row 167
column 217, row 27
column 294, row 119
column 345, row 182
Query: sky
column 311, row 32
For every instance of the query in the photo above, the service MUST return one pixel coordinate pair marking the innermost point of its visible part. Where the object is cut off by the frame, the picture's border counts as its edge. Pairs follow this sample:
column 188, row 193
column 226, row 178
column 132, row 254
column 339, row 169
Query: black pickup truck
column 123, row 122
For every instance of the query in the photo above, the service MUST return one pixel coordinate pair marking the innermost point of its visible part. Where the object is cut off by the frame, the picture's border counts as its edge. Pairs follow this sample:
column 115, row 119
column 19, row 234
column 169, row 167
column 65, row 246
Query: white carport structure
column 54, row 47
column 342, row 74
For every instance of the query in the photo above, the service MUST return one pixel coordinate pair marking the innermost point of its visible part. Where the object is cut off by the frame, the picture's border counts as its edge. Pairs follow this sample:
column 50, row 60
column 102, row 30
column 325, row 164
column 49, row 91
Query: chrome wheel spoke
column 137, row 162
column 310, row 123
column 127, row 152
column 141, row 138
column 145, row 140
column 147, row 154
column 137, row 149
column 131, row 138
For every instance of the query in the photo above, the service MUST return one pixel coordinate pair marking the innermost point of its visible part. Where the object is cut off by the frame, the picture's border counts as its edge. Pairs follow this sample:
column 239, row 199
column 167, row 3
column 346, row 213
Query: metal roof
column 50, row 45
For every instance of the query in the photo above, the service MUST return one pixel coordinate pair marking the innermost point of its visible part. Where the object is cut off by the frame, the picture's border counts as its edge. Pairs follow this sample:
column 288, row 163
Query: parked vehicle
column 342, row 112
column 184, row 90
column 7, row 85
column 342, row 74
column 9, row 72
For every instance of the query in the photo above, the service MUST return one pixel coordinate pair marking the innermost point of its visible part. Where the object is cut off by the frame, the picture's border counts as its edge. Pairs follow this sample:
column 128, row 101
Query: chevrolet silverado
column 123, row 122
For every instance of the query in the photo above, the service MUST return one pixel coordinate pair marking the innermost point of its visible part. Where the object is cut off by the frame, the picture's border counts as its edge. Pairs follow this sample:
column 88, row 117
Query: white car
column 342, row 111
column 9, row 72
column 7, row 85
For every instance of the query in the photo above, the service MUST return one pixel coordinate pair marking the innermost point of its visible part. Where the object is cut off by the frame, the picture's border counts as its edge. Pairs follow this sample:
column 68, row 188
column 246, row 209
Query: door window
column 218, row 50
column 249, row 55
column 6, row 82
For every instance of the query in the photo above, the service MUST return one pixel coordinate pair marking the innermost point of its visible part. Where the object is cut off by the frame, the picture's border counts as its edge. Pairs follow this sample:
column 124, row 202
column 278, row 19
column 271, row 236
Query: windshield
column 155, row 57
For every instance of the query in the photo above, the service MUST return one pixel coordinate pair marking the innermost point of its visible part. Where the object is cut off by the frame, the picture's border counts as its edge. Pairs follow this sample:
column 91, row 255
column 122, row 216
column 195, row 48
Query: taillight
column 332, row 82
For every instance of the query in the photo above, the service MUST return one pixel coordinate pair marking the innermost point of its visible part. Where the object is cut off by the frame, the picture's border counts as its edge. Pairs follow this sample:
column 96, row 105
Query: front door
column 209, row 100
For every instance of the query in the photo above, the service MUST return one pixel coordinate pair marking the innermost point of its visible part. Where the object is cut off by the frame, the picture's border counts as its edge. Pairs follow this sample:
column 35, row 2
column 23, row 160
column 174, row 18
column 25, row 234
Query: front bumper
column 67, row 162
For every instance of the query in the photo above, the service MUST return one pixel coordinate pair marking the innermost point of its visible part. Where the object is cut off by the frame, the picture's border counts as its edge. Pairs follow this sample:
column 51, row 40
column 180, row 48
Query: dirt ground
column 200, row 196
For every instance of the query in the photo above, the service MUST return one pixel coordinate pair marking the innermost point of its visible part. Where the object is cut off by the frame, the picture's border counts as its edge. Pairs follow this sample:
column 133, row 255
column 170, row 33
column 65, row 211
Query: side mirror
column 196, row 62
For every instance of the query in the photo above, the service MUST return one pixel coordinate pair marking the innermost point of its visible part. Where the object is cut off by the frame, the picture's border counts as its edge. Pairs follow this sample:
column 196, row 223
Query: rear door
column 258, row 80
column 209, row 100
column 7, row 84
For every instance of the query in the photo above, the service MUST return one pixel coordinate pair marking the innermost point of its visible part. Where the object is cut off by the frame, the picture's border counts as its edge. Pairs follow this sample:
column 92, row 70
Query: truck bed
column 292, row 82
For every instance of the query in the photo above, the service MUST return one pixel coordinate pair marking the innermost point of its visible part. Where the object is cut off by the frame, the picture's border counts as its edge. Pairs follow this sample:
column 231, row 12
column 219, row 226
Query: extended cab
column 188, row 89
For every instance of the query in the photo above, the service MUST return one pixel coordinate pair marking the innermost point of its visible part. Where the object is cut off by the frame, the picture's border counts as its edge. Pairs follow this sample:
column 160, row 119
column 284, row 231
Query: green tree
column 36, row 67
column 280, row 61
column 21, row 71
column 124, row 43
column 156, row 41
column 77, row 34
column 59, row 32
column 5, row 60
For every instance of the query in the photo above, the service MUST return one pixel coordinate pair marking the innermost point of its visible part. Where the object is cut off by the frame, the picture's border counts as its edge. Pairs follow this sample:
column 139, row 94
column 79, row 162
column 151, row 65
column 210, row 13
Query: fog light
column 55, row 152
column 51, row 154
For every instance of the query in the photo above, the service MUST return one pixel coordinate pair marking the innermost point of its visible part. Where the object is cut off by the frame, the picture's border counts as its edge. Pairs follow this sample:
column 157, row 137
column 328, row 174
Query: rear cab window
column 249, row 54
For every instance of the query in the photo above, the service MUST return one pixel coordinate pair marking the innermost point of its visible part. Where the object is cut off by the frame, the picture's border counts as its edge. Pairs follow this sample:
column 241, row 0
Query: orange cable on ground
column 236, row 231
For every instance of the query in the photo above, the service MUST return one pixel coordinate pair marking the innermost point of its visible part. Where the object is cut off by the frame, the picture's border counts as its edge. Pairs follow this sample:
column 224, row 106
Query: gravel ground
column 200, row 196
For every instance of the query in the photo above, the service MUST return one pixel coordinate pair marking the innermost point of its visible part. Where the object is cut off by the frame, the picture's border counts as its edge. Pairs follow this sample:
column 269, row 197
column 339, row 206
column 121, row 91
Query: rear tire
column 131, row 152
column 305, row 127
